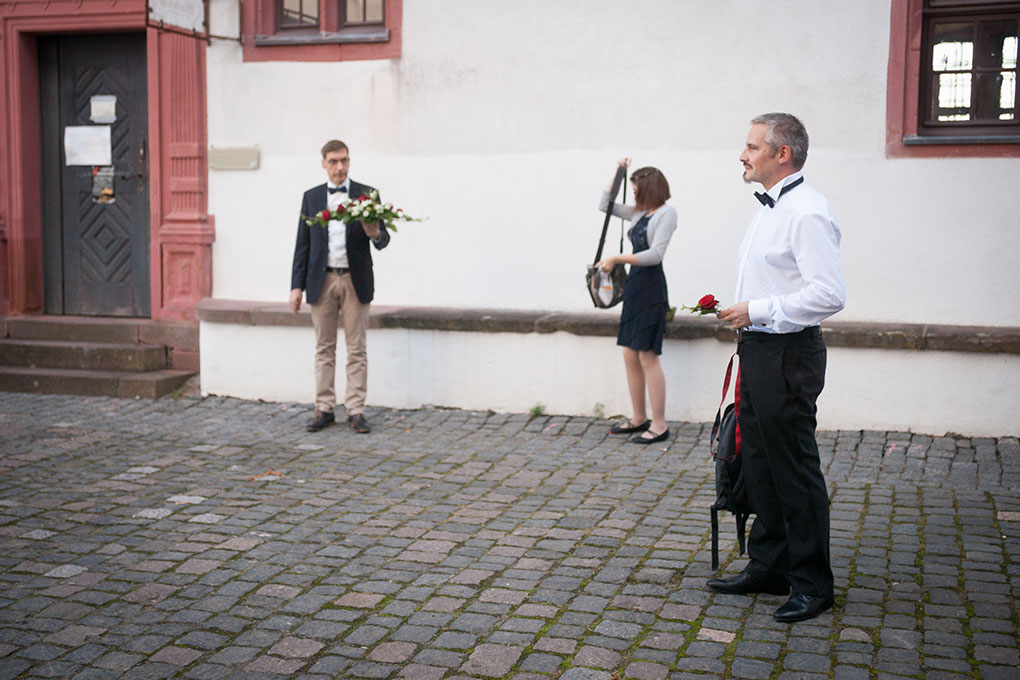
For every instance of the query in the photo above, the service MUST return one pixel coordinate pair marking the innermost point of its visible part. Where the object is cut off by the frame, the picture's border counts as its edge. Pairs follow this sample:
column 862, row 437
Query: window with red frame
column 309, row 22
column 968, row 71
column 362, row 13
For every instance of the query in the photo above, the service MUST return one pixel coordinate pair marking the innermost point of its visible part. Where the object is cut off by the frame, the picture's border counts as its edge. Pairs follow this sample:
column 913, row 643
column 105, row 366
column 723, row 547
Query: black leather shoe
column 801, row 607
column 358, row 423
column 631, row 429
column 745, row 584
column 663, row 436
column 321, row 420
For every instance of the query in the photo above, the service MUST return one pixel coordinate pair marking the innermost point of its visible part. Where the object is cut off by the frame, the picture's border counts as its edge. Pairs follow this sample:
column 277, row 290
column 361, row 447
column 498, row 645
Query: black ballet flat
column 631, row 429
column 652, row 440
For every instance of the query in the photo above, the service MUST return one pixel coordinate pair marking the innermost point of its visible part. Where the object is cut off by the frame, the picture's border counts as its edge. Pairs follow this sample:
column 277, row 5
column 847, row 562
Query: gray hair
column 785, row 130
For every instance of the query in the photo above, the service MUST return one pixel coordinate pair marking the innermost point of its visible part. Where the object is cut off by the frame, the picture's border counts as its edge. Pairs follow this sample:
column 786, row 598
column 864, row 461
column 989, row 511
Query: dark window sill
column 918, row 140
column 361, row 36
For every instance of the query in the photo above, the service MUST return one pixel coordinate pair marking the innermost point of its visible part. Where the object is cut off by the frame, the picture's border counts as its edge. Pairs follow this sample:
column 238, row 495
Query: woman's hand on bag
column 607, row 264
column 624, row 162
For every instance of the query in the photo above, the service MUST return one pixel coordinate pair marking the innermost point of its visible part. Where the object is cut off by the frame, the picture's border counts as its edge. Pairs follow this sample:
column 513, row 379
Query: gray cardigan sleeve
column 660, row 231
column 619, row 209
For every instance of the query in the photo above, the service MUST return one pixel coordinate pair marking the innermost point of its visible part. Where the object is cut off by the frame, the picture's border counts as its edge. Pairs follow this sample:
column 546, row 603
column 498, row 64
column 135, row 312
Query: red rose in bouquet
column 364, row 208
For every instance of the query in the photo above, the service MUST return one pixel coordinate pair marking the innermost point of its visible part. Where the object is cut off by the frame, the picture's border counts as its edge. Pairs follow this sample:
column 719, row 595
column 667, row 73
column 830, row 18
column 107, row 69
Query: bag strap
column 713, row 444
column 715, row 538
column 623, row 221
column 621, row 173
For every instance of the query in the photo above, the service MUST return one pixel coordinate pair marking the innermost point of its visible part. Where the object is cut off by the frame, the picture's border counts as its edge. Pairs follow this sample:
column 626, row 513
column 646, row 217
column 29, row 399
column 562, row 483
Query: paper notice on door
column 103, row 108
column 87, row 145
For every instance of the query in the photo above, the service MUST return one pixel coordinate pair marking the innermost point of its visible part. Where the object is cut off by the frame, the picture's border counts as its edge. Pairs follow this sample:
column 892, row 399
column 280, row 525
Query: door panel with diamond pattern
column 104, row 240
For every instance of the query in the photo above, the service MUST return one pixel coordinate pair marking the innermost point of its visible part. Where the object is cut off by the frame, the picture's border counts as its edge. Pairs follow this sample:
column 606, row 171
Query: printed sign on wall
column 186, row 14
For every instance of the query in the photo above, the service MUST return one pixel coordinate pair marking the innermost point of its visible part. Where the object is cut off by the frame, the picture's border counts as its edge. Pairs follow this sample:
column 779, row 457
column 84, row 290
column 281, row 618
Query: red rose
column 339, row 209
column 325, row 215
column 708, row 302
column 363, row 197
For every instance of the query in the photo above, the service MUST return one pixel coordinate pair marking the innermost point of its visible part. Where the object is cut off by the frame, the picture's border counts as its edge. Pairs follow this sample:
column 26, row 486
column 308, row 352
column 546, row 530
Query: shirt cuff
column 758, row 310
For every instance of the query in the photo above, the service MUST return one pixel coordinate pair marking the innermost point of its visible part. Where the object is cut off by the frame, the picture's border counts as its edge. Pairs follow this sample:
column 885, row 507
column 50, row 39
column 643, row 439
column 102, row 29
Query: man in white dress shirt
column 788, row 280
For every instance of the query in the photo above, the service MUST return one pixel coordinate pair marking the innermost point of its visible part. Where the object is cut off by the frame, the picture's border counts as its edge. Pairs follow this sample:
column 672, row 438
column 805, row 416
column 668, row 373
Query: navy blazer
column 311, row 251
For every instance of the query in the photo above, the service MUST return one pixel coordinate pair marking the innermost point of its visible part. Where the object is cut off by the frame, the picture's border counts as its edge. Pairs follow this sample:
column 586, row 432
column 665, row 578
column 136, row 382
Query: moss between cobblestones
column 1006, row 561
column 961, row 585
column 730, row 653
column 777, row 668
column 539, row 634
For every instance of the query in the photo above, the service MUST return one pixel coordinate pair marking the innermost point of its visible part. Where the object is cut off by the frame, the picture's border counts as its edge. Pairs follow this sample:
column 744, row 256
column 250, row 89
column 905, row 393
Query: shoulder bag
column 606, row 290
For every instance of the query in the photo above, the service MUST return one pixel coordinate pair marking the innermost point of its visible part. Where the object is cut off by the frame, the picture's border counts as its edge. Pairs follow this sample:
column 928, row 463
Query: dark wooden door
column 95, row 216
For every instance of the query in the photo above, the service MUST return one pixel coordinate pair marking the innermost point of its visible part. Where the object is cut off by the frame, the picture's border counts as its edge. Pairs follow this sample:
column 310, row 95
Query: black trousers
column 781, row 376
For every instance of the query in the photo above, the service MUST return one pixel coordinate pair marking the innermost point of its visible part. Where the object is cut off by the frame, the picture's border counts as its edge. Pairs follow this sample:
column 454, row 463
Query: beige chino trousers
column 339, row 302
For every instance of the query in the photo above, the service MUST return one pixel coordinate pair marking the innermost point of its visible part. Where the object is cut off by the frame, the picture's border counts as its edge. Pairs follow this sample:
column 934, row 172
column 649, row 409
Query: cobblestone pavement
column 215, row 538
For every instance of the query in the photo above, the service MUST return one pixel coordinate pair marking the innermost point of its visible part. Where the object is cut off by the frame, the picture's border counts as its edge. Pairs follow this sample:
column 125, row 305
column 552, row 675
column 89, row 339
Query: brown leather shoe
column 321, row 420
column 358, row 423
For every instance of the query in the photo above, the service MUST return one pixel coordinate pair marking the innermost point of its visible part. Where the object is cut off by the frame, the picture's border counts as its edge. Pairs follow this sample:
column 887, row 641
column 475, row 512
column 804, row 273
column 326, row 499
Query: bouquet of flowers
column 364, row 208
column 706, row 305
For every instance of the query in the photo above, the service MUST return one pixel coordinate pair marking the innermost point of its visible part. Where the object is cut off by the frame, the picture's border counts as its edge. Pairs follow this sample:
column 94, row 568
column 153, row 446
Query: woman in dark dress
column 645, row 303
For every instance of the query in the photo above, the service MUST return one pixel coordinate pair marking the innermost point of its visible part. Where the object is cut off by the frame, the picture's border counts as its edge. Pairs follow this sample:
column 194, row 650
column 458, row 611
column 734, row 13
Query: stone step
column 88, row 356
column 150, row 384
column 74, row 329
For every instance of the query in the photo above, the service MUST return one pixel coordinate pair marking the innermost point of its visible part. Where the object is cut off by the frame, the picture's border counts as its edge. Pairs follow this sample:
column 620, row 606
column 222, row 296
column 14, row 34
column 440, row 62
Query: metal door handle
column 141, row 164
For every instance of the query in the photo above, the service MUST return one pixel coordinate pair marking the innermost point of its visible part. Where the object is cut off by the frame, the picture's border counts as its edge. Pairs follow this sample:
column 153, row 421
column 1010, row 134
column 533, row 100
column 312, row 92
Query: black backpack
column 730, row 490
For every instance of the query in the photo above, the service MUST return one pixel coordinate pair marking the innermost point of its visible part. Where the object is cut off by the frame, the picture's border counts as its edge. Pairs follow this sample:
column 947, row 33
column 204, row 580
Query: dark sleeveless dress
column 645, row 300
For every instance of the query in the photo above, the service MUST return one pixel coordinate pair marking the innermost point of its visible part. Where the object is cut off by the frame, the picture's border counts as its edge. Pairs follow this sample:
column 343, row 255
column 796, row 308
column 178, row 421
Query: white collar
column 778, row 188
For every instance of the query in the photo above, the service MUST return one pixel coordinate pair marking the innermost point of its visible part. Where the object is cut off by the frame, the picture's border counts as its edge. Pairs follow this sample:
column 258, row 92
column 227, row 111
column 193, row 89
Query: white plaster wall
column 501, row 122
column 926, row 392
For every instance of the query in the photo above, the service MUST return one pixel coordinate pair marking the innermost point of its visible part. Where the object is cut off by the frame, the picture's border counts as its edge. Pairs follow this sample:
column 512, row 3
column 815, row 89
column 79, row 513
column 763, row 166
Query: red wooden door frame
column 181, row 229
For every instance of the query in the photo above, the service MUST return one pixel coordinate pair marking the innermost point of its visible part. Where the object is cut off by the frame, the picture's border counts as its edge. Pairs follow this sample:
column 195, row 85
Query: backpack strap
column 713, row 443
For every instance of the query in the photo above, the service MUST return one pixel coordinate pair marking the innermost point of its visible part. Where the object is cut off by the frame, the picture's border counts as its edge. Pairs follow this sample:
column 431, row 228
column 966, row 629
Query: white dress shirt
column 788, row 264
column 337, row 256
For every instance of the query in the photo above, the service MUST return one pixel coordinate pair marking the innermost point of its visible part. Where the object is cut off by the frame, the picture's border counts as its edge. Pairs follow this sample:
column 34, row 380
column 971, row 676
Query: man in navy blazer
column 333, row 266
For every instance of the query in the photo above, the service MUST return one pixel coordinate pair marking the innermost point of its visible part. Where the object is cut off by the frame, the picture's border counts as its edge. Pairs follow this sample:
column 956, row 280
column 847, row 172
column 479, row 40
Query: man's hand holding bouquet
column 368, row 209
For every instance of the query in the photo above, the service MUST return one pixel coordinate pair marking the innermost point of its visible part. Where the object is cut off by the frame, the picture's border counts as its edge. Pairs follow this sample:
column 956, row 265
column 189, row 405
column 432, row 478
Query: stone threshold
column 859, row 335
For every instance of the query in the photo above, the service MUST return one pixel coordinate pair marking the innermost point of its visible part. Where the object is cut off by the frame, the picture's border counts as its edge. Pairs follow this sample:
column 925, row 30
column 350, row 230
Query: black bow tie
column 765, row 199
column 333, row 190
